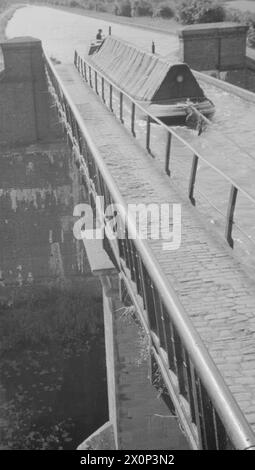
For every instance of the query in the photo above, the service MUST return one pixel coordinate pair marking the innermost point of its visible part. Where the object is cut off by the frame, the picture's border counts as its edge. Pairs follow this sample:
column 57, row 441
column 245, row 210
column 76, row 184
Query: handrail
column 81, row 64
column 170, row 130
column 238, row 429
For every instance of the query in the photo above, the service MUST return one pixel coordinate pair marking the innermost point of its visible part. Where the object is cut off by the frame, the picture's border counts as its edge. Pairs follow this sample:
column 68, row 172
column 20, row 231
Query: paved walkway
column 144, row 420
column 216, row 290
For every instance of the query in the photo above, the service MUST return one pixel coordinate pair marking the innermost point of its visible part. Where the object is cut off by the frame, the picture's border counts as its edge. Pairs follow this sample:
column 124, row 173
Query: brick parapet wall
column 219, row 49
column 25, row 107
column 211, row 46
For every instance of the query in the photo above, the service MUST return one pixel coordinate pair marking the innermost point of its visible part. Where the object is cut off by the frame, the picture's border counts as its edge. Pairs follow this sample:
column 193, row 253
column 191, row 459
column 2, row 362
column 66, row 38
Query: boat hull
column 179, row 114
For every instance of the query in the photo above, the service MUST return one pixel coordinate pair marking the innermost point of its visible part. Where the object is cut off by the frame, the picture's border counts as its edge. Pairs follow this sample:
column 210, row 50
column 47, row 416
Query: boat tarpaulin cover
column 145, row 76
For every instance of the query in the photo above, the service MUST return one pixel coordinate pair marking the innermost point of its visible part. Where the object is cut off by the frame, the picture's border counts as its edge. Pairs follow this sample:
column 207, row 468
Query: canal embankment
column 169, row 26
column 5, row 16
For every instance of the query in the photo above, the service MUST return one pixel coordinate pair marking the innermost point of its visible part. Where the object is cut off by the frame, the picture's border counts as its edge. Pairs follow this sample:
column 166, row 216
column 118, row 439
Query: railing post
column 85, row 71
column 137, row 271
column 169, row 340
column 148, row 298
column 102, row 87
column 121, row 108
column 148, row 134
column 133, row 119
column 194, row 381
column 179, row 365
column 159, row 319
column 90, row 78
column 188, row 366
column 132, row 261
column 230, row 215
column 168, row 150
column 207, row 412
column 110, row 98
column 82, row 69
column 193, row 179
column 96, row 89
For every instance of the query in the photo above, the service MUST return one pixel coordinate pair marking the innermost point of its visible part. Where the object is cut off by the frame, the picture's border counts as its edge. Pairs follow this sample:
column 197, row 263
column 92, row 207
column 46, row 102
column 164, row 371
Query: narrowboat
column 168, row 91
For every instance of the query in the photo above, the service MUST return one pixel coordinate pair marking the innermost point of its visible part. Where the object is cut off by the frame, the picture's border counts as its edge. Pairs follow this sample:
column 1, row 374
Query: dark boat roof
column 145, row 76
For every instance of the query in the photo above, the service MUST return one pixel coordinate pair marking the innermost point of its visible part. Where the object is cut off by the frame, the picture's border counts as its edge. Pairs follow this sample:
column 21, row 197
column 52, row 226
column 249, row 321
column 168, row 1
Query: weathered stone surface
column 25, row 111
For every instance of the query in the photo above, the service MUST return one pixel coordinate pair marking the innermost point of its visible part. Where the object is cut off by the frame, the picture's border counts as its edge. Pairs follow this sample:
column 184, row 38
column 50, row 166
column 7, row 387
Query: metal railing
column 207, row 410
column 98, row 81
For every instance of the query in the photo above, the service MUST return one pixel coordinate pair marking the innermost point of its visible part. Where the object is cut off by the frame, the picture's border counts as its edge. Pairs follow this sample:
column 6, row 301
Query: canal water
column 228, row 142
column 61, row 32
